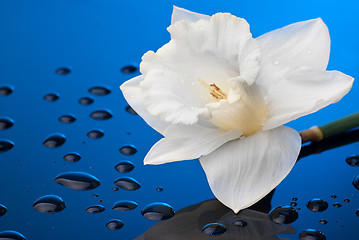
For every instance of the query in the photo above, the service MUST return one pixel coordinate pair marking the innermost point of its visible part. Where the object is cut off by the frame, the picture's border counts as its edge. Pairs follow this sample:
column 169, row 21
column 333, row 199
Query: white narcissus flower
column 217, row 94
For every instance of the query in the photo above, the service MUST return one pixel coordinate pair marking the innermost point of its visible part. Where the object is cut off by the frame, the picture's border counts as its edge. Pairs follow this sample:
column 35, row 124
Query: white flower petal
column 188, row 142
column 134, row 96
column 243, row 171
column 179, row 14
column 302, row 92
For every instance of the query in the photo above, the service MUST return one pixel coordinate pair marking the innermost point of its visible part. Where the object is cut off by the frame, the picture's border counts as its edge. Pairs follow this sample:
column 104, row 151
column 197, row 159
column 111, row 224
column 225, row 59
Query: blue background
column 95, row 39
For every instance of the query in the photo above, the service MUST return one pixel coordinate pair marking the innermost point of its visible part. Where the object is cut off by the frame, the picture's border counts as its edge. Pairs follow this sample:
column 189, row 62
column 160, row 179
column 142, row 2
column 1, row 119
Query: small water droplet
column 51, row 97
column 63, row 71
column 6, row 123
column 214, row 229
column 11, row 235
column 127, row 183
column 276, row 62
column 323, row 221
column 67, row 119
column 129, row 69
column 159, row 189
column 55, row 140
column 100, row 200
column 95, row 134
column 99, row 91
column 115, row 189
column 124, row 205
column 3, row 210
column 78, row 180
column 295, row 199
column 337, row 205
column 49, row 204
column 72, row 157
column 95, row 209
column 129, row 109
column 128, row 150
column 86, row 101
column 158, row 211
column 124, row 167
column 6, row 145
column 293, row 204
column 311, row 234
column 317, row 205
column 353, row 160
column 239, row 222
column 114, row 224
column 346, row 200
column 6, row 90
column 283, row 215
column 101, row 115
column 96, row 195
column 333, row 196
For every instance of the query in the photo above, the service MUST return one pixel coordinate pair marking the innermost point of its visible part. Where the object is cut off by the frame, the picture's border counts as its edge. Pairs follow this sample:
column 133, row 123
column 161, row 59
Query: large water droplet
column 317, row 205
column 99, row 90
column 72, row 157
column 311, row 234
column 356, row 182
column 239, row 222
column 127, row 183
column 78, row 180
column 357, row 212
column 6, row 145
column 49, row 204
column 86, row 101
column 11, row 235
column 51, row 97
column 63, row 71
column 129, row 109
column 114, row 224
column 129, row 69
column 6, row 123
column 124, row 167
column 128, row 150
column 101, row 115
column 353, row 160
column 158, row 211
column 95, row 209
column 55, row 140
column 3, row 210
column 67, row 119
column 6, row 90
column 95, row 134
column 124, row 205
column 283, row 215
column 214, row 229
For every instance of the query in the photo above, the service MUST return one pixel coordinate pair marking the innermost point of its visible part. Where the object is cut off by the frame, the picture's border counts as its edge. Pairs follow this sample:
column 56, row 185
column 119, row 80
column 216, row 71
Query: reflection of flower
column 216, row 93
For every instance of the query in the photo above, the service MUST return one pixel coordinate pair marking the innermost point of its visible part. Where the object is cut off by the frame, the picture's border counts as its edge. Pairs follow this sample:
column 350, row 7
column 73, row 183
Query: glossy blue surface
column 95, row 39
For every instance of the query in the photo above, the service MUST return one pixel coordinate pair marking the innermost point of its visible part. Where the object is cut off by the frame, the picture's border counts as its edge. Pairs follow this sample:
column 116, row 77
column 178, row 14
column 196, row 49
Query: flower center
column 214, row 90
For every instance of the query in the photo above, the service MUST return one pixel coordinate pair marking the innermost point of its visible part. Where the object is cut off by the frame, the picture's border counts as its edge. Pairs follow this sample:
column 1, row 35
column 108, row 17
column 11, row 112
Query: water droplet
column 337, row 205
column 6, row 123
column 128, row 150
column 99, row 91
column 95, row 209
column 159, row 189
column 311, row 234
column 129, row 109
column 124, row 205
column 3, row 210
column 357, row 212
column 295, row 199
column 293, row 204
column 78, row 180
column 317, row 205
column 114, row 224
column 101, row 115
column 11, row 235
column 51, row 97
column 95, row 134
column 72, row 157
column 6, row 90
column 96, row 195
column 356, row 182
column 346, row 200
column 214, row 229
column 353, row 160
column 124, row 167
column 333, row 196
column 55, row 140
column 115, row 189
column 158, row 211
column 86, row 101
column 127, row 183
column 63, row 71
column 6, row 145
column 283, row 215
column 239, row 222
column 129, row 69
column 67, row 119
column 49, row 204
column 276, row 62
column 323, row 221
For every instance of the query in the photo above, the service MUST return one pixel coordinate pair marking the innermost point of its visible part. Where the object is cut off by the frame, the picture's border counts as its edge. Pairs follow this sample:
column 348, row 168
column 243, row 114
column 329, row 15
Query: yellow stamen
column 214, row 90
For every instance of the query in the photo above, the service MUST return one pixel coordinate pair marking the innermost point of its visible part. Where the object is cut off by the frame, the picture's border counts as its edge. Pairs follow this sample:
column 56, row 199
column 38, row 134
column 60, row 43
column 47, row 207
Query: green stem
column 340, row 125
